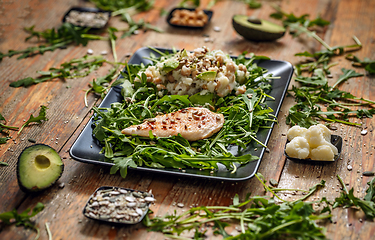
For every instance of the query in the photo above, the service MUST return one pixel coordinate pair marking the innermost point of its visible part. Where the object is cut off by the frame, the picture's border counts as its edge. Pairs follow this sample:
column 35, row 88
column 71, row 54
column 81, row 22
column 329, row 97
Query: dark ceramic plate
column 101, row 17
column 118, row 197
column 335, row 140
column 86, row 148
column 207, row 12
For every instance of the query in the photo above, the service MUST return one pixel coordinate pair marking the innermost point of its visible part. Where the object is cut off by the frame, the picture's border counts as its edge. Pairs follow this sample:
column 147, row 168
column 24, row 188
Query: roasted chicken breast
column 192, row 123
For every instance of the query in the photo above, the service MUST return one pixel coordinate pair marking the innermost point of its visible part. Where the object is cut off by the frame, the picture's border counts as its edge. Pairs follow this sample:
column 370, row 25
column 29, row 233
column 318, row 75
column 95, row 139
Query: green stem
column 9, row 127
column 273, row 230
column 268, row 189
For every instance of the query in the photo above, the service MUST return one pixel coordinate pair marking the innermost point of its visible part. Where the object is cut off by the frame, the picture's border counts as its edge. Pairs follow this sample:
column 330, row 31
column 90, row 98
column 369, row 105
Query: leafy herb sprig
column 258, row 217
column 123, row 6
column 315, row 99
column 347, row 199
column 261, row 217
column 38, row 119
column 244, row 116
column 76, row 68
column 53, row 39
column 22, row 219
column 4, row 128
column 136, row 26
column 367, row 63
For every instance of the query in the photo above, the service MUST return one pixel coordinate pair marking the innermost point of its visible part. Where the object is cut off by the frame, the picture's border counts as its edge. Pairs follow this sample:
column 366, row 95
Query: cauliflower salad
column 314, row 143
column 200, row 71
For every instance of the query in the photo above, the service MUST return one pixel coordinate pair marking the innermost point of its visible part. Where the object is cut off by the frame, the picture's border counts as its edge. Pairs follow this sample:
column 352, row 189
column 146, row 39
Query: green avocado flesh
column 39, row 167
column 257, row 29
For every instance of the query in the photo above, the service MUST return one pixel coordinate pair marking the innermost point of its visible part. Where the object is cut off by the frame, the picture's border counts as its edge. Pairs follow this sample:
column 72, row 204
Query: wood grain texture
column 68, row 115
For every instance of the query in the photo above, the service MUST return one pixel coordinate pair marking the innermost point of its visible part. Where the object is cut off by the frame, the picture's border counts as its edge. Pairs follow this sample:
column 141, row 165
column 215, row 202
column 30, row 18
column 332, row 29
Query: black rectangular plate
column 86, row 148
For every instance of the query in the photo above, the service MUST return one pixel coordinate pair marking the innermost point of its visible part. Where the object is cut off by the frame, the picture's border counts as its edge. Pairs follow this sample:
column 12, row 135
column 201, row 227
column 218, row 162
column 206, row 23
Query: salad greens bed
column 244, row 116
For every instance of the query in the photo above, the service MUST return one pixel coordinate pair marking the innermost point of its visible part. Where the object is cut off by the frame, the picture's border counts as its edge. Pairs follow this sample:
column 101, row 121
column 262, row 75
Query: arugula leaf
column 112, row 38
column 347, row 199
column 41, row 117
column 136, row 26
column 120, row 6
column 253, row 4
column 22, row 219
column 75, row 68
column 367, row 63
column 318, row 78
column 4, row 127
column 262, row 218
column 315, row 91
column 53, row 39
column 189, row 3
column 348, row 73
column 370, row 192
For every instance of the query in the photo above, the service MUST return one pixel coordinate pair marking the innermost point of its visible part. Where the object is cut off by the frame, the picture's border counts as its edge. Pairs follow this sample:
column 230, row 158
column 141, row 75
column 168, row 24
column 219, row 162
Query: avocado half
column 257, row 29
column 39, row 167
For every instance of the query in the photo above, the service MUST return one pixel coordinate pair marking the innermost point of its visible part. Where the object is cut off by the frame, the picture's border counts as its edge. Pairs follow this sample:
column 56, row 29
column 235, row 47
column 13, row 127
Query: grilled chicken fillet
column 192, row 123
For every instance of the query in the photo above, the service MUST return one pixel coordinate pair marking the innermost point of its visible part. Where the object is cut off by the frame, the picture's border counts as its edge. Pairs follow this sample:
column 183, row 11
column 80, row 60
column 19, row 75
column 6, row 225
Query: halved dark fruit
column 39, row 167
column 257, row 29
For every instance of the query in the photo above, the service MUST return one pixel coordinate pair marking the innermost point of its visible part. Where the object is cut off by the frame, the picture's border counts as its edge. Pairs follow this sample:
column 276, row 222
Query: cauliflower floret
column 296, row 131
column 322, row 153
column 315, row 137
column 323, row 130
column 298, row 148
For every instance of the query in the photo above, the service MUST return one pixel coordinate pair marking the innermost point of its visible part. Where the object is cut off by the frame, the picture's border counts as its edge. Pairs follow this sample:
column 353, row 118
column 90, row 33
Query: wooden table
column 68, row 115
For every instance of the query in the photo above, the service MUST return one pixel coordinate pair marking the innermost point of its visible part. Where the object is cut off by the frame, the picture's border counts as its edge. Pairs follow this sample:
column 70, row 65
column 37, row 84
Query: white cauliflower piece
column 322, row 153
column 314, row 143
column 315, row 137
column 298, row 148
column 296, row 131
column 323, row 130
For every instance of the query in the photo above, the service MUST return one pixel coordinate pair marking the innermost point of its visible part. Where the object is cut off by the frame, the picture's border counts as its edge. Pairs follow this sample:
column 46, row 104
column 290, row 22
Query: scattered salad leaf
column 53, row 39
column 315, row 99
column 123, row 6
column 75, row 68
column 189, row 3
column 112, row 38
column 348, row 73
column 258, row 217
column 41, row 117
column 347, row 200
column 163, row 12
column 253, row 4
column 134, row 26
column 370, row 192
column 22, row 219
column 3, row 129
column 367, row 63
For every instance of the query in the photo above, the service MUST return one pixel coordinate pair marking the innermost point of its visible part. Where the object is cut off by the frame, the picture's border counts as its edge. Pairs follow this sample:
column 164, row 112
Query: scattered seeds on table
column 273, row 182
column 118, row 205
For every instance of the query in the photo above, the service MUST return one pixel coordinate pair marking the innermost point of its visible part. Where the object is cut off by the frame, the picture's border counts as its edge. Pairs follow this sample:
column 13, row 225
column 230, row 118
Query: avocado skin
column 21, row 160
column 255, row 33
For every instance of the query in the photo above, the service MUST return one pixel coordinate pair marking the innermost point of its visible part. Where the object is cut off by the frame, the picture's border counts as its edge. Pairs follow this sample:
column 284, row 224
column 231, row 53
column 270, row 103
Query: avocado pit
column 42, row 162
